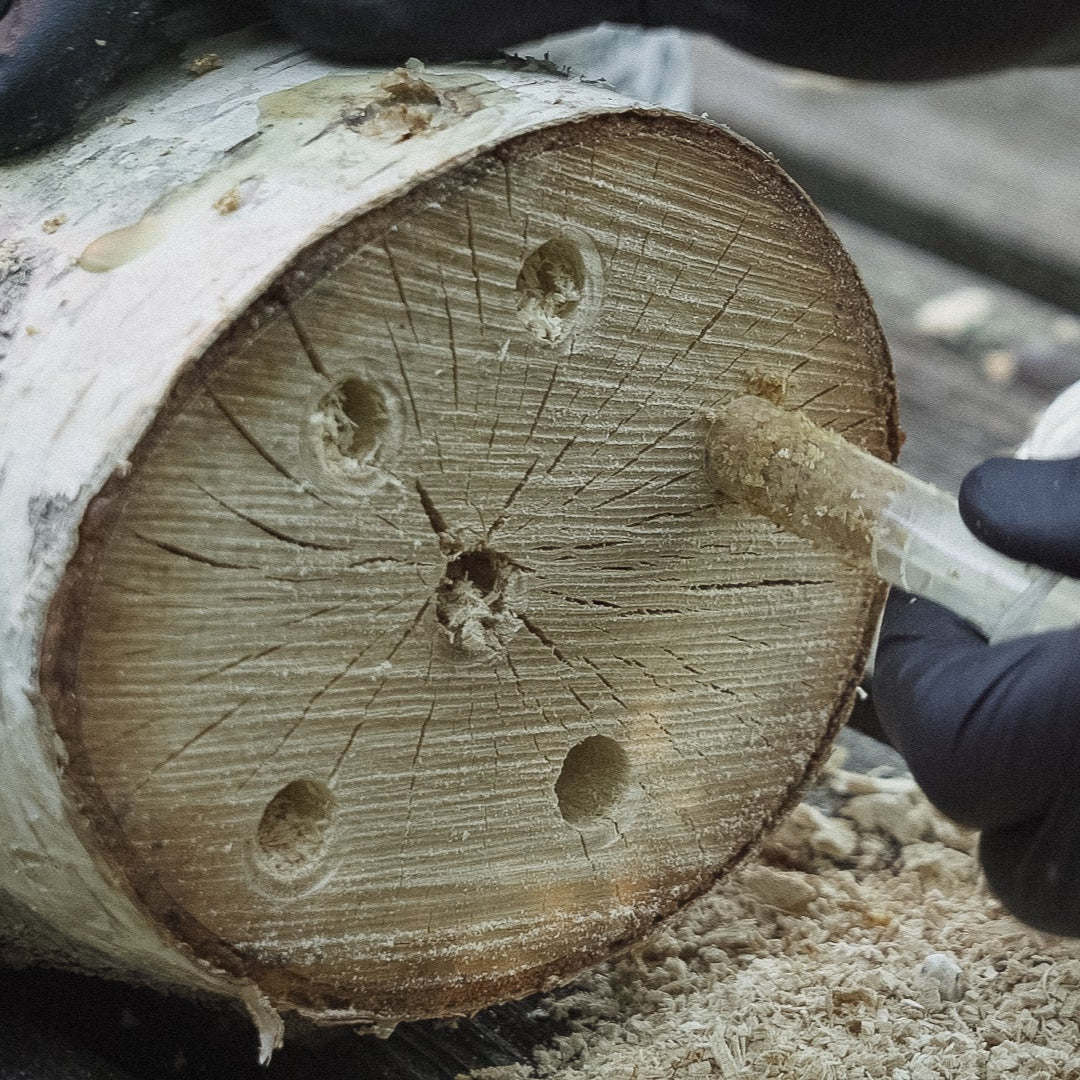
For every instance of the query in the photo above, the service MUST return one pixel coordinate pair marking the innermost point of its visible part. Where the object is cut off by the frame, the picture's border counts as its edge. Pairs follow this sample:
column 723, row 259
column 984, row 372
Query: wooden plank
column 954, row 337
column 983, row 170
column 59, row 1025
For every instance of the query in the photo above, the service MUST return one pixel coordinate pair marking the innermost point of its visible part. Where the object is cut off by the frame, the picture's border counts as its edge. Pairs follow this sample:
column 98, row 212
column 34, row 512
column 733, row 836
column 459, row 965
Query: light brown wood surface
column 409, row 664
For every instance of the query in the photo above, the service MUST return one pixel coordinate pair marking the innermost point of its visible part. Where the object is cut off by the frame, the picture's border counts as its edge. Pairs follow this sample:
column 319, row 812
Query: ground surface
column 860, row 943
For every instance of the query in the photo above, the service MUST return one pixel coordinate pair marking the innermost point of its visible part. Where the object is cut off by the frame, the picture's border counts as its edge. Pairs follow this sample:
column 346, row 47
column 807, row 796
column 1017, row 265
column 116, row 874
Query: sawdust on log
column 859, row 944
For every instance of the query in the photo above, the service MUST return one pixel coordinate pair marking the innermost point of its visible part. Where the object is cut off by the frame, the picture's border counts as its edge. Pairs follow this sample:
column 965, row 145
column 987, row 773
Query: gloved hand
column 992, row 732
column 858, row 39
column 56, row 55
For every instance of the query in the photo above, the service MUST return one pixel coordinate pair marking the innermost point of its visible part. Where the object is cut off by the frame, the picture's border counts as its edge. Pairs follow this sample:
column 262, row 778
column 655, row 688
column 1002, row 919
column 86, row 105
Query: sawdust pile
column 859, row 944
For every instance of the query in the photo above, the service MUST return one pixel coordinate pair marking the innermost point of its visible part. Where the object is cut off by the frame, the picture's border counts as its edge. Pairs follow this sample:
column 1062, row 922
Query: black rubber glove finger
column 861, row 39
column 1033, row 867
column 393, row 30
column 1027, row 509
column 990, row 732
column 55, row 57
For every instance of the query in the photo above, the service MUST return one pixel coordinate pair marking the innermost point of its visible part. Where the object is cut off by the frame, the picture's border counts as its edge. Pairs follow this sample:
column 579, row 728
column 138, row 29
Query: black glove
column 56, row 55
column 992, row 732
column 859, row 39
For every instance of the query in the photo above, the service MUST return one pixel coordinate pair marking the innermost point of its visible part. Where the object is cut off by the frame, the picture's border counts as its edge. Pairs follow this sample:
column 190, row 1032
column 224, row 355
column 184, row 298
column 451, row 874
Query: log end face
column 414, row 665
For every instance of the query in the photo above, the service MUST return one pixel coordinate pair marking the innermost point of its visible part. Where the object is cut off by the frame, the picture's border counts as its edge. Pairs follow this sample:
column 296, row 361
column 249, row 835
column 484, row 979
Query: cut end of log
column 414, row 665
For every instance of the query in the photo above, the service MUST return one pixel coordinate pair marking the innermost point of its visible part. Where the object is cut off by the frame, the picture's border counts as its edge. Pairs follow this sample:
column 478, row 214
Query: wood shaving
column 498, row 1072
column 881, row 958
column 228, row 203
column 204, row 64
column 10, row 259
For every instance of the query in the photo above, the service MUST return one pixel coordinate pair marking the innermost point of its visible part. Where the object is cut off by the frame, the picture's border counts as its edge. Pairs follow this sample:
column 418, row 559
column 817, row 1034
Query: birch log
column 372, row 644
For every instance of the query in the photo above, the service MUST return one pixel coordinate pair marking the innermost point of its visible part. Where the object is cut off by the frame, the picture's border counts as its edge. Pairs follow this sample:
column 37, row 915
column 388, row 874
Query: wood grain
column 414, row 666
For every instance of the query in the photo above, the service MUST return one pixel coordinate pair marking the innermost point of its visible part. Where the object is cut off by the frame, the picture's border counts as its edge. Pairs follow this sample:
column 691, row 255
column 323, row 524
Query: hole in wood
column 291, row 838
column 478, row 600
column 550, row 288
column 480, row 568
column 594, row 780
column 356, row 428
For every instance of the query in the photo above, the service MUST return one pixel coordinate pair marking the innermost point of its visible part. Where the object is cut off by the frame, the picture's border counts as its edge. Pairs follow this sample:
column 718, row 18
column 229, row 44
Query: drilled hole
column 478, row 601
column 595, row 778
column 550, row 288
column 481, row 569
column 357, row 428
column 357, row 419
column 291, row 837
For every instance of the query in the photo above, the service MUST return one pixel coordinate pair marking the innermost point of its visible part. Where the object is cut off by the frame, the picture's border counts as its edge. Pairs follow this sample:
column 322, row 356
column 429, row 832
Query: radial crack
column 438, row 523
column 305, row 342
column 250, row 439
column 277, row 534
column 194, row 556
column 187, row 745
